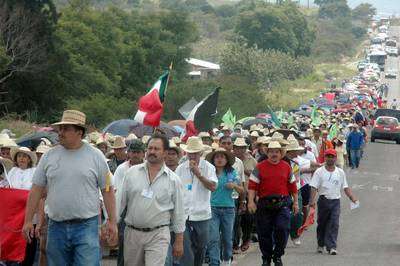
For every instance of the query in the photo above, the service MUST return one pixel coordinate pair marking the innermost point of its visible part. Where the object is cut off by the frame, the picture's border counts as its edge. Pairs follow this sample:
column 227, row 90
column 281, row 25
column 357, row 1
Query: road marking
column 360, row 187
column 382, row 188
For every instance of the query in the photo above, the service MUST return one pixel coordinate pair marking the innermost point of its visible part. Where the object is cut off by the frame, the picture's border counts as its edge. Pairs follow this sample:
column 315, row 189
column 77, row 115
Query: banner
column 12, row 215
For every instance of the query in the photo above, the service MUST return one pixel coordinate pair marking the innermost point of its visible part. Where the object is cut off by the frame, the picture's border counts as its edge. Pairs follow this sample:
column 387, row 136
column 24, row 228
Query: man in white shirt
column 328, row 181
column 199, row 180
column 136, row 153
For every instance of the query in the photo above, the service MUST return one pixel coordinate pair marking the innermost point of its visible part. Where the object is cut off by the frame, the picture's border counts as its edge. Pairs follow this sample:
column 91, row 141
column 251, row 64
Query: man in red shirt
column 272, row 182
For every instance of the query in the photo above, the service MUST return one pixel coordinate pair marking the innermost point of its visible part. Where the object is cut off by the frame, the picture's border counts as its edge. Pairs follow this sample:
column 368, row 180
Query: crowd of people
column 161, row 201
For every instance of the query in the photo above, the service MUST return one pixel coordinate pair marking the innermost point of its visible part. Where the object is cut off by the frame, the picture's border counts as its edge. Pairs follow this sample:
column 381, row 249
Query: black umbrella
column 140, row 130
column 248, row 123
column 33, row 139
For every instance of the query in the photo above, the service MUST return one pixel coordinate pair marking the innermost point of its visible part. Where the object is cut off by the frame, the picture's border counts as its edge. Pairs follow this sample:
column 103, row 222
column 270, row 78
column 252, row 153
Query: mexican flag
column 150, row 106
column 202, row 115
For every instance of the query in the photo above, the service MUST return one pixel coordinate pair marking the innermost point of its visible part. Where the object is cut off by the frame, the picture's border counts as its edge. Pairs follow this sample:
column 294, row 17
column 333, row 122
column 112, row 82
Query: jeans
column 73, row 243
column 355, row 157
column 328, row 222
column 221, row 229
column 195, row 240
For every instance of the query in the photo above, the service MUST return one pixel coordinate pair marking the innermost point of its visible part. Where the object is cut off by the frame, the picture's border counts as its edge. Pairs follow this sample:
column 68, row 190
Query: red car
column 387, row 128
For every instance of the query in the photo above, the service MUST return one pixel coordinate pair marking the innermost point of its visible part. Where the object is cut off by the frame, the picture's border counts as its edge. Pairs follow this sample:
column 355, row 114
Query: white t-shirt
column 196, row 196
column 303, row 164
column 21, row 179
column 312, row 146
column 328, row 183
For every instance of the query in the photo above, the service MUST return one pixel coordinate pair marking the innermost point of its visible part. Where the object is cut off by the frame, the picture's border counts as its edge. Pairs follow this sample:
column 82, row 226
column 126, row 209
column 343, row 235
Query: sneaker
column 296, row 241
column 320, row 250
column 332, row 251
column 278, row 262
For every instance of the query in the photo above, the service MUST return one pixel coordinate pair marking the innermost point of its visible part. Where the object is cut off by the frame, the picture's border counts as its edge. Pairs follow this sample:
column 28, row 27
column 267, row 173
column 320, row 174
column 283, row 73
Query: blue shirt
column 355, row 140
column 222, row 196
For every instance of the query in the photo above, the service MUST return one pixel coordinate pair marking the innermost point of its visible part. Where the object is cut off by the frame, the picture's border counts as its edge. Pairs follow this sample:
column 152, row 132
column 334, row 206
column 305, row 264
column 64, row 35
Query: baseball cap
column 136, row 145
column 330, row 152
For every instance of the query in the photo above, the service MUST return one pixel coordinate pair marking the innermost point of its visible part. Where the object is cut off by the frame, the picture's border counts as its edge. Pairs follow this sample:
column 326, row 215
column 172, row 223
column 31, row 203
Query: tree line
column 100, row 56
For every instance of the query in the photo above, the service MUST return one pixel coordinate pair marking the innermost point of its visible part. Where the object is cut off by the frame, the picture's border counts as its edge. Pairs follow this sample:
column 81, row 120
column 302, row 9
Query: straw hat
column 226, row 128
column 25, row 150
column 193, row 145
column 263, row 140
column 275, row 145
column 119, row 143
column 279, row 138
column 176, row 140
column 254, row 134
column 72, row 117
column 240, row 142
column 341, row 138
column 101, row 140
column 131, row 136
column 254, row 127
column 8, row 143
column 206, row 150
column 291, row 137
column 230, row 157
column 294, row 146
column 146, row 139
column 42, row 149
column 7, row 163
column 214, row 146
column 204, row 135
column 265, row 131
column 173, row 146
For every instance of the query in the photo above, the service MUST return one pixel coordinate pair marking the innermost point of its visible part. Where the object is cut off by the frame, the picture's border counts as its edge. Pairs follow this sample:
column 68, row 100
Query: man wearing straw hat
column 119, row 154
column 272, row 182
column 72, row 173
column 199, row 180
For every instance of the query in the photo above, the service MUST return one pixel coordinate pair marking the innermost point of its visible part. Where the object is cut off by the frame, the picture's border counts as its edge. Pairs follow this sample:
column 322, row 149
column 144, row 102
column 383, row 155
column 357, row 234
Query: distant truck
column 378, row 57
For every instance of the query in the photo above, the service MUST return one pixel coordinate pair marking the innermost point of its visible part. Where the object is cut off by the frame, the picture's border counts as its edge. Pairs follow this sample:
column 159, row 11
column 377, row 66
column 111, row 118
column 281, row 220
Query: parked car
column 387, row 128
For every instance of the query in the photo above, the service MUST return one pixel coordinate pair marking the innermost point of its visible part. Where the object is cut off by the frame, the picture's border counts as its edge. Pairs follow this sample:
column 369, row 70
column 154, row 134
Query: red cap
column 330, row 152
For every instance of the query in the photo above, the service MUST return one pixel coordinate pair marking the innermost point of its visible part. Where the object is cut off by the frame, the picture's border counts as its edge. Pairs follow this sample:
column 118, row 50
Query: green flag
column 229, row 119
column 315, row 116
column 332, row 132
column 290, row 120
column 274, row 118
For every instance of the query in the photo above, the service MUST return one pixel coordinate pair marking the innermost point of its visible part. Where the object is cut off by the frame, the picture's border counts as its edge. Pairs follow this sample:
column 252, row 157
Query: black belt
column 147, row 229
column 74, row 221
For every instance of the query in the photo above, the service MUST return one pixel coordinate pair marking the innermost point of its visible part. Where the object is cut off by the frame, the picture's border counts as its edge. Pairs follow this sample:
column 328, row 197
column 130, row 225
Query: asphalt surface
column 370, row 235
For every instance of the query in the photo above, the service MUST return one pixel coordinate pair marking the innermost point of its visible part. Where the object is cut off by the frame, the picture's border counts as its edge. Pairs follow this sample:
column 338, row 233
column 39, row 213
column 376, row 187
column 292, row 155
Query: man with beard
column 136, row 153
column 271, row 181
column 153, row 196
column 328, row 181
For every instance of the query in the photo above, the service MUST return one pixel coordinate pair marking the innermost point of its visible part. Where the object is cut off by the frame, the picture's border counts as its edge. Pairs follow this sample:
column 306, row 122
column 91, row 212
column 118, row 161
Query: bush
column 101, row 109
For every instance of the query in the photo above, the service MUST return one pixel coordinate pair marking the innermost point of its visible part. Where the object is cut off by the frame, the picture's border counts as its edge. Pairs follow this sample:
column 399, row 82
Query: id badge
column 189, row 187
column 147, row 193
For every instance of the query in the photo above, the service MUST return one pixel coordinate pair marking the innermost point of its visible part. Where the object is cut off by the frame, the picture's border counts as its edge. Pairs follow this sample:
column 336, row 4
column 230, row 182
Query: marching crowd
column 167, row 202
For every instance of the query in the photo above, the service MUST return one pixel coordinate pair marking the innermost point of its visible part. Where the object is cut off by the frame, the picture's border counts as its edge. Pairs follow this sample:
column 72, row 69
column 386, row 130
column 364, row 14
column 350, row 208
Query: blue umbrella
column 121, row 127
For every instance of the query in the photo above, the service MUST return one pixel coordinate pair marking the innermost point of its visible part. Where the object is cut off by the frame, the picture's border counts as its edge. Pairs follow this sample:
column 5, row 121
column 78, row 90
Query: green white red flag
column 150, row 106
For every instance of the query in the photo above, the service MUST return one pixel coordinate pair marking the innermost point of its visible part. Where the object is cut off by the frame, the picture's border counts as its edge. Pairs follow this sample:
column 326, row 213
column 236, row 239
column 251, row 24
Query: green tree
column 364, row 12
column 334, row 9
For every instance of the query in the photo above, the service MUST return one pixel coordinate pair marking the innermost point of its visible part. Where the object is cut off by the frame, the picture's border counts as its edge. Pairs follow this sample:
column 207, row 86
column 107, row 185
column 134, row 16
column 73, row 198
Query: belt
column 74, row 221
column 147, row 229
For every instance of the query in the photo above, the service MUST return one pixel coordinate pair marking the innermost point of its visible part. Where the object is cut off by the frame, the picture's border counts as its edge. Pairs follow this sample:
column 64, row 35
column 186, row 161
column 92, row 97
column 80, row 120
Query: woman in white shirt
column 20, row 177
column 5, row 166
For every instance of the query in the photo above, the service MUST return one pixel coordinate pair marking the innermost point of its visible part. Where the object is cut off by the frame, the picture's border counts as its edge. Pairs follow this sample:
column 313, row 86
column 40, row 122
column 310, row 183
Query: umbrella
column 33, row 139
column 140, row 130
column 248, row 123
column 121, row 127
column 180, row 123
column 244, row 119
column 304, row 113
column 124, row 127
